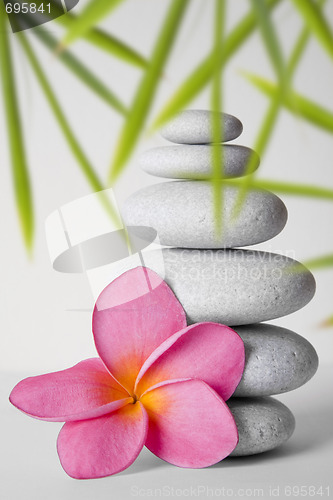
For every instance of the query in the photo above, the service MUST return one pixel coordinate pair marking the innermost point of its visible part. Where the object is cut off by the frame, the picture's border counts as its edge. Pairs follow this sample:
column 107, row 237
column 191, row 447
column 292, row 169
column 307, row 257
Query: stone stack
column 216, row 281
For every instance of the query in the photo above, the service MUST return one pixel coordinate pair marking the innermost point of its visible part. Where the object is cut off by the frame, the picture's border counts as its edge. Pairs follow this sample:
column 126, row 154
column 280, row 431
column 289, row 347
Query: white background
column 41, row 327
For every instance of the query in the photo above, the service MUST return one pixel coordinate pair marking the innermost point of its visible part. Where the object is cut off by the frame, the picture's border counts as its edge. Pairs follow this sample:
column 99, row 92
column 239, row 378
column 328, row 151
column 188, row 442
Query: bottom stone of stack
column 263, row 423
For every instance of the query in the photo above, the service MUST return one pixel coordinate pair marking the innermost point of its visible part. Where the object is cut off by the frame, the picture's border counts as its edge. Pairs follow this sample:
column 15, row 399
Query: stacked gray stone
column 216, row 281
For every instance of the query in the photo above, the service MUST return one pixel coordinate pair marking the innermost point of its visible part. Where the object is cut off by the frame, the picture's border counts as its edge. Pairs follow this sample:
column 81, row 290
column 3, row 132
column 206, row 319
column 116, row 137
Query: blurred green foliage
column 209, row 72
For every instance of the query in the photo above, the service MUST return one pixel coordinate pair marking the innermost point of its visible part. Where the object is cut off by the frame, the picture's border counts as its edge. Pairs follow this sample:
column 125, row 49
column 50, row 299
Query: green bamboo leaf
column 93, row 12
column 316, row 21
column 147, row 88
column 102, row 40
column 262, row 140
column 202, row 74
column 298, row 51
column 217, row 127
column 81, row 71
column 272, row 113
column 84, row 164
column 320, row 262
column 269, row 121
column 107, row 43
column 307, row 109
column 270, row 118
column 74, row 145
column 289, row 188
column 317, row 263
column 327, row 322
column 20, row 171
column 300, row 45
column 270, row 39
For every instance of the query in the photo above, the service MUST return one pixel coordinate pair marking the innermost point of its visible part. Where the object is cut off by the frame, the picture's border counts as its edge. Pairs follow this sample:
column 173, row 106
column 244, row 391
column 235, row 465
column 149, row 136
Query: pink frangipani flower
column 158, row 382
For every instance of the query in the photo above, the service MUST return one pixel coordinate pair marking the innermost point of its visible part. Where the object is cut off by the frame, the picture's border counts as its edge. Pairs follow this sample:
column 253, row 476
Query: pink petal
column 127, row 333
column 86, row 390
column 206, row 351
column 104, row 445
column 189, row 424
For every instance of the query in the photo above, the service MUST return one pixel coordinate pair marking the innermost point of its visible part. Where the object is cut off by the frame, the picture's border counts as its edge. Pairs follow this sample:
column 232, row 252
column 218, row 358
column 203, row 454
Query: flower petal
column 133, row 315
column 189, row 424
column 84, row 391
column 210, row 352
column 104, row 445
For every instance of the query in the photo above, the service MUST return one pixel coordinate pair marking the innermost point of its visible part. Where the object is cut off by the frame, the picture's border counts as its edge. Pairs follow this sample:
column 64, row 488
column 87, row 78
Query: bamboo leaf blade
column 81, row 71
column 297, row 52
column 84, row 164
column 266, row 130
column 317, row 23
column 93, row 12
column 261, row 143
column 217, row 123
column 270, row 39
column 268, row 124
column 320, row 262
column 306, row 108
column 109, row 44
column 76, row 149
column 327, row 322
column 273, row 49
column 104, row 41
column 115, row 47
column 147, row 88
column 300, row 46
column 20, row 172
column 289, row 188
column 202, row 74
column 296, row 55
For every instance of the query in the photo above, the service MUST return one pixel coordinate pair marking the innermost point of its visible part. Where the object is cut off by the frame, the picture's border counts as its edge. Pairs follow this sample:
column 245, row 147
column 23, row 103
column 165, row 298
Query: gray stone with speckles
column 194, row 127
column 262, row 423
column 277, row 360
column 182, row 213
column 234, row 286
column 195, row 161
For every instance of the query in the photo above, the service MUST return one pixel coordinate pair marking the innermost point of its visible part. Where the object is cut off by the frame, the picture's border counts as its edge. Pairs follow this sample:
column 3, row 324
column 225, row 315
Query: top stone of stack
column 191, row 157
column 195, row 127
